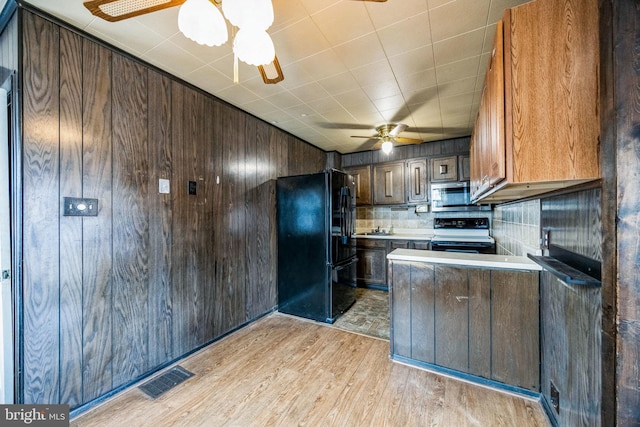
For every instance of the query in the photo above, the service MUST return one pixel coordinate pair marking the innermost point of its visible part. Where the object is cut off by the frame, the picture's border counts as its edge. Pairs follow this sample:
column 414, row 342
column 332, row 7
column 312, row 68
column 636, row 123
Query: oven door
column 465, row 247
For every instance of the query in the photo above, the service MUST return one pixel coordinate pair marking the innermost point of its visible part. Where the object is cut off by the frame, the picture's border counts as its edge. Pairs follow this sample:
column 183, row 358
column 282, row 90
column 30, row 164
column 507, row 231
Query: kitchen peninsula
column 471, row 315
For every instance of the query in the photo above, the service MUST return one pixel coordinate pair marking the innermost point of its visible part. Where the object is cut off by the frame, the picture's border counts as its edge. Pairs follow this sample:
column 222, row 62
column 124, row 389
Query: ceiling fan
column 117, row 10
column 387, row 134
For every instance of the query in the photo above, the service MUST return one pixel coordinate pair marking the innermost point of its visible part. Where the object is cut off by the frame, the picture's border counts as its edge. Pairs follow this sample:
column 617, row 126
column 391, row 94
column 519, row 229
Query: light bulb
column 254, row 47
column 387, row 146
column 202, row 22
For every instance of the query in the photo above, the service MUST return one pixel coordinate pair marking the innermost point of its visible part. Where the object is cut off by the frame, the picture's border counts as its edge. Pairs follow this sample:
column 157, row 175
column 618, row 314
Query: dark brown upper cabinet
column 388, row 184
column 417, row 191
column 444, row 169
column 362, row 179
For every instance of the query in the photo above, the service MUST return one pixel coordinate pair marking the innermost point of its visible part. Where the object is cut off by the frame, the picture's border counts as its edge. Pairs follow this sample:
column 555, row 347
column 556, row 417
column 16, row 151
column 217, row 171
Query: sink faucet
column 378, row 229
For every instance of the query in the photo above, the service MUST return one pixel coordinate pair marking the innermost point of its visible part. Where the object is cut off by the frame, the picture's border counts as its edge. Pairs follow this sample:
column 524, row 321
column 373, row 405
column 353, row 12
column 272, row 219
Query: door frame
column 10, row 85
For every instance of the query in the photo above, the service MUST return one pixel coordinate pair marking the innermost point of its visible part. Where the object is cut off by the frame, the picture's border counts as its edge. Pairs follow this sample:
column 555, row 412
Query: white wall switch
column 163, row 186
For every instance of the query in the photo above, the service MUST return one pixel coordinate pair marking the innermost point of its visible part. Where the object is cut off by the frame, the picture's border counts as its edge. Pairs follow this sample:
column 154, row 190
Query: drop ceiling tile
column 400, row 114
column 299, row 41
column 337, row 115
column 389, row 103
column 140, row 39
column 394, row 37
column 285, row 13
column 322, row 65
column 175, row 59
column 496, row 11
column 71, row 12
column 164, row 22
column 458, row 48
column 361, row 51
column 413, row 61
column 460, row 16
column 309, row 92
column 343, row 21
column 236, row 94
column 384, row 91
column 340, row 83
column 457, row 70
column 437, row 3
column 457, row 87
column 209, row 79
column 386, row 14
column 284, row 99
column 373, row 74
column 355, row 97
column 325, row 105
column 416, row 81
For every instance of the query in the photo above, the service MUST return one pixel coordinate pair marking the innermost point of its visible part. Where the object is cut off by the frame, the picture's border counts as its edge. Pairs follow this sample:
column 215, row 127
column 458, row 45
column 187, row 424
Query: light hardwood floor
column 286, row 371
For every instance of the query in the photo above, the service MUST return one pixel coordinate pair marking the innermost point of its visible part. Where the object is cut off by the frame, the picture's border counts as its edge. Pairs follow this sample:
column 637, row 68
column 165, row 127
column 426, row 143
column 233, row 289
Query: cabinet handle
column 388, row 184
column 461, row 297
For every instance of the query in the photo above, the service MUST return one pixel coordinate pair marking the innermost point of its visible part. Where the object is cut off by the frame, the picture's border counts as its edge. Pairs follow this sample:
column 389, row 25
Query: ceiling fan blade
column 397, row 129
column 353, row 126
column 117, row 10
column 368, row 137
column 376, row 146
column 401, row 140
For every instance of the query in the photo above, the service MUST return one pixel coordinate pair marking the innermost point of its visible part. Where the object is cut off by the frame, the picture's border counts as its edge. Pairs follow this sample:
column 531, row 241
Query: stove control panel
column 462, row 223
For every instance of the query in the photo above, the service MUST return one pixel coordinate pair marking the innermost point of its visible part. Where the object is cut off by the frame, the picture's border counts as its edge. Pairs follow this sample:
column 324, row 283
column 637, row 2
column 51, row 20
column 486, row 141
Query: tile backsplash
column 369, row 217
column 516, row 227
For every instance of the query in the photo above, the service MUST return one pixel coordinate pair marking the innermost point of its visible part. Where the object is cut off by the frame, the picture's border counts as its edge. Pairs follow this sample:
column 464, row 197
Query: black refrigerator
column 316, row 245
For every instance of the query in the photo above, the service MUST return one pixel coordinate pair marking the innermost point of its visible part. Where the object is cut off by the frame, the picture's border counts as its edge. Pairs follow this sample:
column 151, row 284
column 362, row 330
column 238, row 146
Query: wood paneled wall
column 575, row 222
column 620, row 136
column 108, row 299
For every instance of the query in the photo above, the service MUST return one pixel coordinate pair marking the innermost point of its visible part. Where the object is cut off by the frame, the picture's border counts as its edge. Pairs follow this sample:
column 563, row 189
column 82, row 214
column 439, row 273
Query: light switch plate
column 74, row 206
column 164, row 187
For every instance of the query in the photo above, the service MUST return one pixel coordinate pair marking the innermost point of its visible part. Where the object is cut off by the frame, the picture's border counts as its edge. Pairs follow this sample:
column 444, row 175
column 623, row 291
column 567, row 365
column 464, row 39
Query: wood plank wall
column 110, row 298
column 620, row 38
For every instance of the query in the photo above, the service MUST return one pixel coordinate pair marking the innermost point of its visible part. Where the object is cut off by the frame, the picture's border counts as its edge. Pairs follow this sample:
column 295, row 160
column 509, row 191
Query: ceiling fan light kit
column 202, row 22
column 254, row 47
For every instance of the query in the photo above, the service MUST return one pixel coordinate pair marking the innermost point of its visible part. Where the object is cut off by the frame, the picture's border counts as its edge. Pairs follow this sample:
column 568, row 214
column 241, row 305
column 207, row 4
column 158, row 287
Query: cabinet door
column 444, row 169
column 464, row 168
column 421, row 244
column 515, row 320
column 417, row 181
column 496, row 170
column 487, row 148
column 452, row 317
column 372, row 266
column 362, row 180
column 388, row 184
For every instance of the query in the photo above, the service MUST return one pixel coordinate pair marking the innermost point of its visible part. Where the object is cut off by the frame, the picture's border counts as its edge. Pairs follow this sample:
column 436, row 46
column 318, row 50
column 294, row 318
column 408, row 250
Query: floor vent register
column 165, row 382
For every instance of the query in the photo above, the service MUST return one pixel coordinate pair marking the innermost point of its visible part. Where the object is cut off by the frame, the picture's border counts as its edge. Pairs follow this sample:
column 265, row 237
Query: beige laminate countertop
column 464, row 259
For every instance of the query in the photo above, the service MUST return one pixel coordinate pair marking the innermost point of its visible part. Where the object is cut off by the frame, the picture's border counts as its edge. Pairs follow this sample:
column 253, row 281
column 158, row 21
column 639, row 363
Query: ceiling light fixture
column 387, row 146
column 202, row 22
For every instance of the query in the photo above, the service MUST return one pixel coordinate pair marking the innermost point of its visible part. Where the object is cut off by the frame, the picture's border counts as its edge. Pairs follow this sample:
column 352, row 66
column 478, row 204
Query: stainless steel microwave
column 452, row 197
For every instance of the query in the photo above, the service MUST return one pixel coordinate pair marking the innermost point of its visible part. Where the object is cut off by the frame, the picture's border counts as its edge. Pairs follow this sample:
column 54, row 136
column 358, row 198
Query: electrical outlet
column 192, row 188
